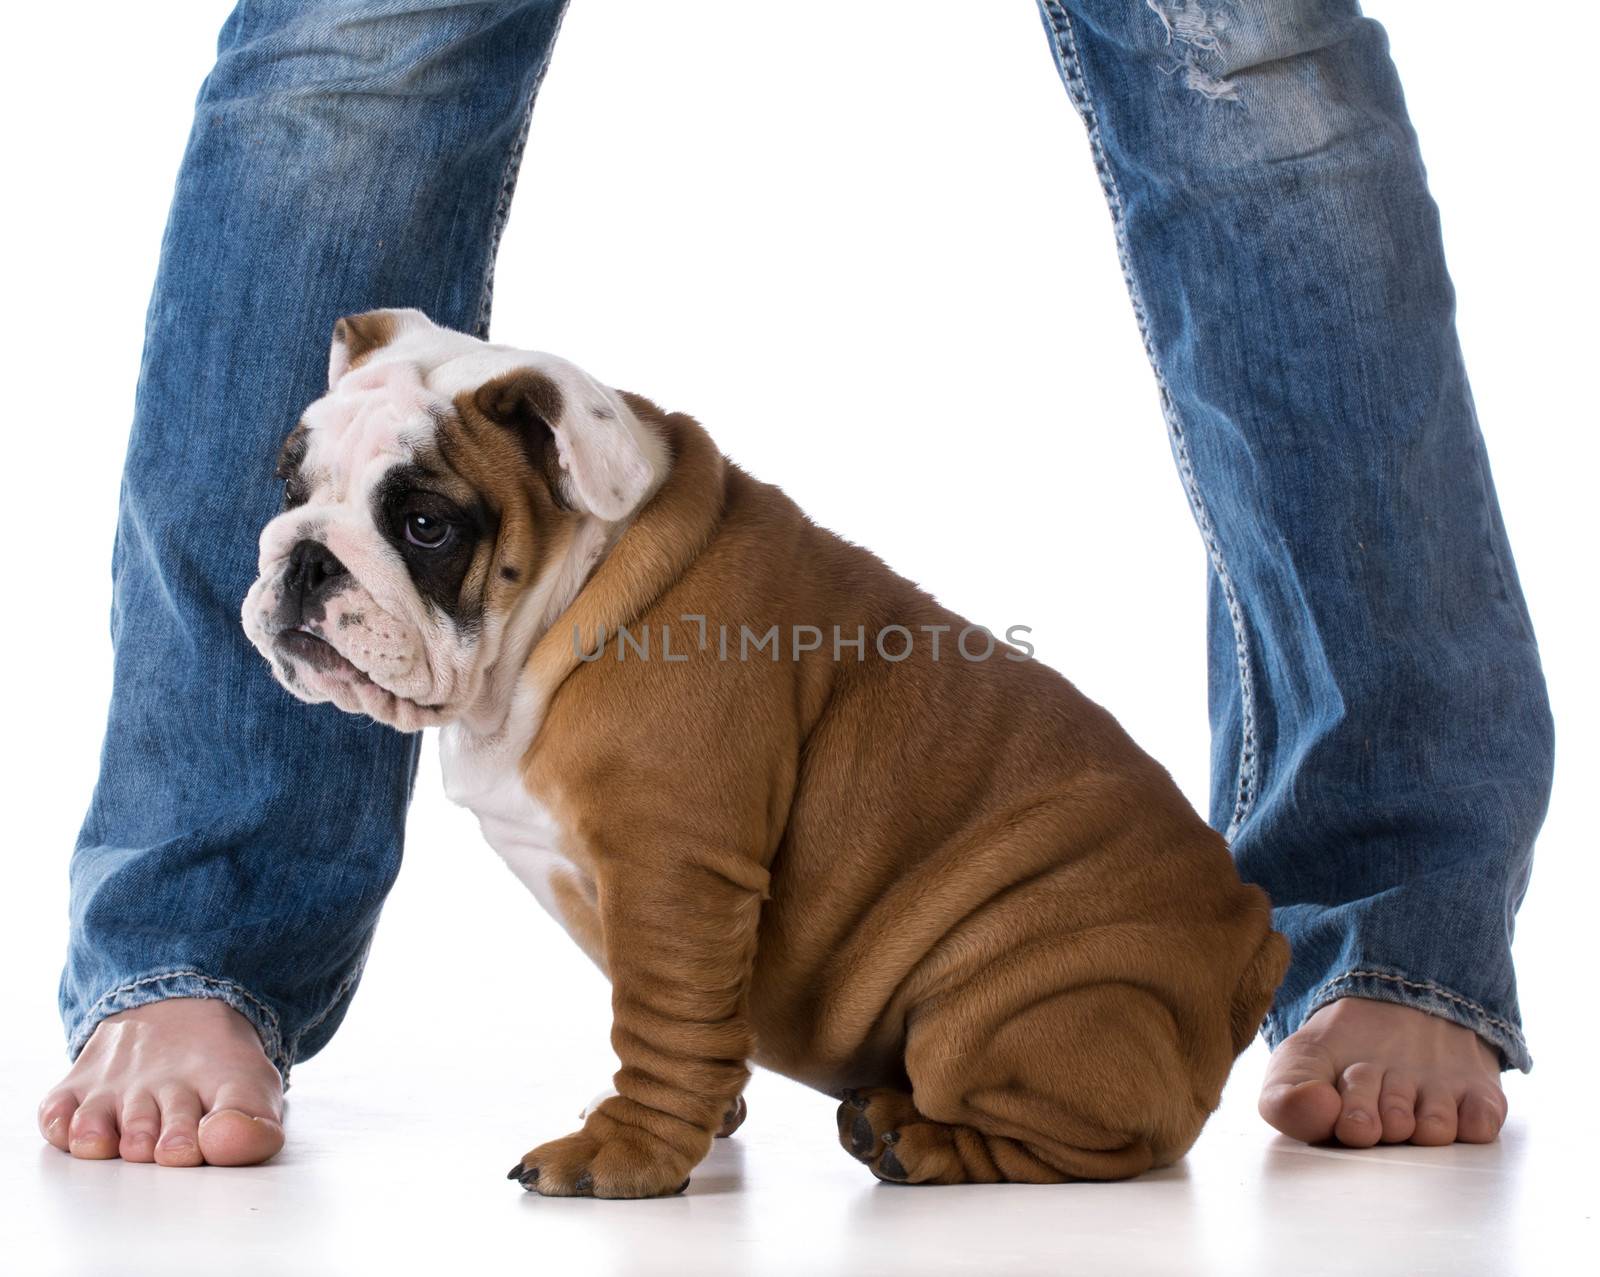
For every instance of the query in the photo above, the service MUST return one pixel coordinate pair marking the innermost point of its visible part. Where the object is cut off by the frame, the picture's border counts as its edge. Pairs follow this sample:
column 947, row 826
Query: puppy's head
column 441, row 502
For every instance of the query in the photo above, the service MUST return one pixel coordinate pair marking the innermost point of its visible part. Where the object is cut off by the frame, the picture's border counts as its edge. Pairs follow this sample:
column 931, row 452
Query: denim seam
column 508, row 183
column 1066, row 46
column 273, row 1043
column 1425, row 986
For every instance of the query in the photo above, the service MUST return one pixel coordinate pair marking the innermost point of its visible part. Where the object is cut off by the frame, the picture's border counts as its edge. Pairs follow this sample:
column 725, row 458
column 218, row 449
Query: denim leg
column 1382, row 744
column 345, row 155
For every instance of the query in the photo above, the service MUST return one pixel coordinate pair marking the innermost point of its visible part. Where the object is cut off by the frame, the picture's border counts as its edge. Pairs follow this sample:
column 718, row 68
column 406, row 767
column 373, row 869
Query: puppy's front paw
column 621, row 1162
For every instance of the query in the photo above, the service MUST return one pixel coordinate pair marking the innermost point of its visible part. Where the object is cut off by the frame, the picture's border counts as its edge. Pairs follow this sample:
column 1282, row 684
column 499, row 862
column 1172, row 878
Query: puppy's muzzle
column 312, row 575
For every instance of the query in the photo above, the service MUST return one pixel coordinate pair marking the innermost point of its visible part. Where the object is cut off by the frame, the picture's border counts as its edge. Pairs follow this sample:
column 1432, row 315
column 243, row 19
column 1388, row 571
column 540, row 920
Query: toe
column 92, row 1132
column 1397, row 1107
column 1298, row 1095
column 179, row 1144
column 140, row 1127
column 55, row 1117
column 889, row 1164
column 1436, row 1118
column 863, row 1139
column 1358, row 1125
column 245, row 1123
column 231, row 1137
column 1480, row 1116
column 1305, row 1111
column 925, row 1153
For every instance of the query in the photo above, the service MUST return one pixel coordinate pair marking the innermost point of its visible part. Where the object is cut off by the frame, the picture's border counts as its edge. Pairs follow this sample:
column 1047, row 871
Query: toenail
column 1356, row 1115
column 891, row 1137
column 177, row 1144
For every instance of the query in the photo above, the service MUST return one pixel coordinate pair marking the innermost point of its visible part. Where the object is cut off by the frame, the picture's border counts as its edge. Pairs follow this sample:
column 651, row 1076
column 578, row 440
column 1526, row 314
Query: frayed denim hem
column 1424, row 995
column 186, row 984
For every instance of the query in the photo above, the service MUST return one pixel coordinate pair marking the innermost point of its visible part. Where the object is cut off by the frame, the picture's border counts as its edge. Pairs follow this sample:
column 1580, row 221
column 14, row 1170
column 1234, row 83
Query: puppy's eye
column 426, row 531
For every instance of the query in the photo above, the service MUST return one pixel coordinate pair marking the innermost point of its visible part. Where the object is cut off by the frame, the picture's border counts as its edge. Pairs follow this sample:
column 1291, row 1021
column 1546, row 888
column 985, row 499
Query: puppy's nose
column 312, row 572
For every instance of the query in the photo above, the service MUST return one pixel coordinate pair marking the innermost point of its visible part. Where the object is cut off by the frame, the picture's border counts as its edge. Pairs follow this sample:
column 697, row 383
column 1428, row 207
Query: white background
column 862, row 241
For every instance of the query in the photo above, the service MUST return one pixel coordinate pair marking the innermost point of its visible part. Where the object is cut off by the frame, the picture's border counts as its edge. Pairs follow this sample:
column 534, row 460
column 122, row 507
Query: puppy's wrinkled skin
column 952, row 892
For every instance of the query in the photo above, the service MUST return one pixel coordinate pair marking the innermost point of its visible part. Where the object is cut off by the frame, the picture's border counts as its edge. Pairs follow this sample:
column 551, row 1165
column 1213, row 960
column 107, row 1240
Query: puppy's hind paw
column 883, row 1130
column 734, row 1118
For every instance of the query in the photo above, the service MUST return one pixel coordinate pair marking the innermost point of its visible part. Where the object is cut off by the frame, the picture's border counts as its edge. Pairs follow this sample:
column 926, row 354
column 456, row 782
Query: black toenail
column 891, row 1137
column 516, row 1172
column 854, row 1100
column 861, row 1136
column 584, row 1183
column 889, row 1164
column 680, row 1188
column 529, row 1178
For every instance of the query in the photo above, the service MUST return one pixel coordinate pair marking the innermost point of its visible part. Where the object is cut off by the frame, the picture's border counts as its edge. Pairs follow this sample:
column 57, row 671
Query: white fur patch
column 377, row 412
column 484, row 776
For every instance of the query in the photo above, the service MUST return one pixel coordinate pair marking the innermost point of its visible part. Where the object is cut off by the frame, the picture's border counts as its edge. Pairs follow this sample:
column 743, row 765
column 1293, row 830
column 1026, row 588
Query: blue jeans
column 1382, row 745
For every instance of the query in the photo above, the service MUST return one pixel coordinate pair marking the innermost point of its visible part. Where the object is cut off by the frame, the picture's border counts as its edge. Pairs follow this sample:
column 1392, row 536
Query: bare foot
column 181, row 1082
column 1361, row 1072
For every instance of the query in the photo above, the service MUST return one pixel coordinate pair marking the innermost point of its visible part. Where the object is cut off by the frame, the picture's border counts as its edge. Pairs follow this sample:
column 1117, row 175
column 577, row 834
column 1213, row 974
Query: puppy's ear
column 600, row 466
column 355, row 337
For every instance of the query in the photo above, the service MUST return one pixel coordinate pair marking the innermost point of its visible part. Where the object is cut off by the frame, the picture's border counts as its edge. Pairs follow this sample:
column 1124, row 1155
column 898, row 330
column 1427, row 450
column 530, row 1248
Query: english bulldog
column 799, row 813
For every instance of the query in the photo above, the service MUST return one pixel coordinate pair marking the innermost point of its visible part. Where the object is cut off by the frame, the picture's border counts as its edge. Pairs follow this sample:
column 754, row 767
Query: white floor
column 402, row 1173
column 480, row 1031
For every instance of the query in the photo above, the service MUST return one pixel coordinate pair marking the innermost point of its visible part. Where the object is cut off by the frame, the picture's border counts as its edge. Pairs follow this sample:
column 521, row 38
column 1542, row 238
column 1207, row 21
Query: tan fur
column 955, row 893
column 533, row 525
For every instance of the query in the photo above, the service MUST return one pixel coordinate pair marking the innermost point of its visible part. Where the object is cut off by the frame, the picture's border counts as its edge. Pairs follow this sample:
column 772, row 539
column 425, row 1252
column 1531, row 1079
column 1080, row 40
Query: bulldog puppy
column 950, row 891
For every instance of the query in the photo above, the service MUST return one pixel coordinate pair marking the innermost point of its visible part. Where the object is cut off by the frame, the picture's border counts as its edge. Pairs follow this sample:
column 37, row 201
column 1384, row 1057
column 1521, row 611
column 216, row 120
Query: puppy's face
column 439, row 501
